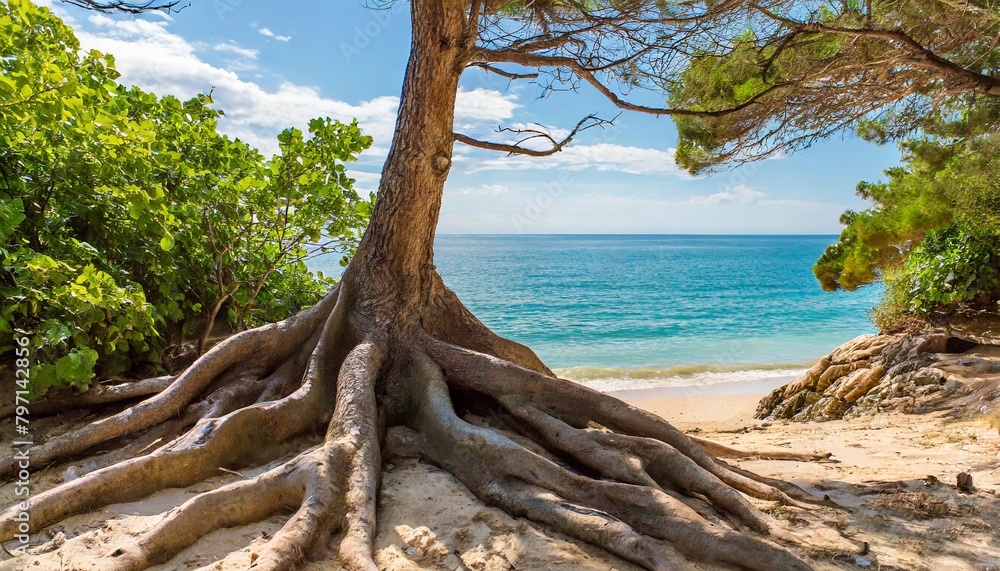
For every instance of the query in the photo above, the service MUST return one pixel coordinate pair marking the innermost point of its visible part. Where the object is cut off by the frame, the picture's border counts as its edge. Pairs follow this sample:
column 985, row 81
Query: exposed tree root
column 569, row 458
column 253, row 351
column 95, row 396
column 239, row 503
column 716, row 449
column 581, row 407
column 488, row 463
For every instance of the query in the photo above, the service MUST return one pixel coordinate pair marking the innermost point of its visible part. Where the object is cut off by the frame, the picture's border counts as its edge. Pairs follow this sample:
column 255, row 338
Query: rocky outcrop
column 910, row 373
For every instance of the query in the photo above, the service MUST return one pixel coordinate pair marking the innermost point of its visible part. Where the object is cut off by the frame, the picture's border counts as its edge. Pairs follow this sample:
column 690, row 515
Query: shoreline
column 711, row 380
column 759, row 387
column 705, row 407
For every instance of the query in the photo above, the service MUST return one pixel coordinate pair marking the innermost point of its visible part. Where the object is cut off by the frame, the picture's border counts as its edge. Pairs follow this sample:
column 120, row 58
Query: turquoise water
column 638, row 311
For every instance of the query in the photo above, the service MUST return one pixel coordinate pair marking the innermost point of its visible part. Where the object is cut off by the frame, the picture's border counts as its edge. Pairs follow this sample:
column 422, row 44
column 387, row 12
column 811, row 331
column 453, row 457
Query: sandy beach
column 703, row 406
column 430, row 521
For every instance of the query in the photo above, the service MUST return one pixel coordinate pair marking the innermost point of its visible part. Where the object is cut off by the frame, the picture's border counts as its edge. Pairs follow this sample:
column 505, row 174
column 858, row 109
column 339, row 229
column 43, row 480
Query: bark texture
column 872, row 373
column 392, row 346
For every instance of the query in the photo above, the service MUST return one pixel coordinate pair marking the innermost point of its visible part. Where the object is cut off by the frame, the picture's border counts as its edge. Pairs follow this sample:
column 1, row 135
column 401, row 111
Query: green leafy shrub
column 127, row 220
column 951, row 267
column 894, row 313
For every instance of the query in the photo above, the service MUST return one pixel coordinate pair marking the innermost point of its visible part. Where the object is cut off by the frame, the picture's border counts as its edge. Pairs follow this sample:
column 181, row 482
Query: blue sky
column 275, row 65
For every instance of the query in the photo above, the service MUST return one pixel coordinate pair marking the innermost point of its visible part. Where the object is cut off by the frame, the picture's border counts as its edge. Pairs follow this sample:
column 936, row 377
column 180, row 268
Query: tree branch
column 977, row 82
column 516, row 148
column 127, row 6
column 589, row 74
column 501, row 72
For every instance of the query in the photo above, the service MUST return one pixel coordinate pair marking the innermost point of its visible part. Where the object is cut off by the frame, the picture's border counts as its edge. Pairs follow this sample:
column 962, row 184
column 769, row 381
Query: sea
column 630, row 312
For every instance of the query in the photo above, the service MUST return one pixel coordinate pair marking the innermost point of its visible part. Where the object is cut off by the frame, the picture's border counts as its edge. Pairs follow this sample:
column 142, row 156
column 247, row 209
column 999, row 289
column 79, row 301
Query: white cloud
column 149, row 55
column 232, row 48
column 161, row 14
column 368, row 178
column 481, row 190
column 599, row 156
column 484, row 105
column 740, row 193
column 266, row 32
column 480, row 107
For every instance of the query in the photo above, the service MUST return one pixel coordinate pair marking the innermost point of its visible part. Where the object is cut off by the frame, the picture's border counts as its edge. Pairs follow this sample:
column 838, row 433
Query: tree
column 265, row 222
column 932, row 232
column 63, row 167
column 391, row 346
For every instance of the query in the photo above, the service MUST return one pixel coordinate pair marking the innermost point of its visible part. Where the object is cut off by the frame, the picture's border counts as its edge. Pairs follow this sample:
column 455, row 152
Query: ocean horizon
column 637, row 311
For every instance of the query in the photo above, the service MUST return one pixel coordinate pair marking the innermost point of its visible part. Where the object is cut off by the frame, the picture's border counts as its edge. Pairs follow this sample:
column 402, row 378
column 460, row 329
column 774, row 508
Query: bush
column 951, row 268
column 126, row 218
column 894, row 314
column 933, row 228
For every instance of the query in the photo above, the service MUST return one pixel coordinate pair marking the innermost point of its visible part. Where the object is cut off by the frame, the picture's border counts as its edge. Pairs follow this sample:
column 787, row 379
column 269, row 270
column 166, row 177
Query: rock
column 874, row 373
column 422, row 545
column 964, row 483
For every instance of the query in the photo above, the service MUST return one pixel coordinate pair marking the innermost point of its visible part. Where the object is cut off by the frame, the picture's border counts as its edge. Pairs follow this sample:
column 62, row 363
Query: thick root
column 96, row 396
column 639, row 461
column 253, row 432
column 235, row 504
column 454, row 323
column 487, row 462
column 257, row 350
column 357, row 429
column 212, row 444
column 580, row 406
column 571, row 459
column 592, row 526
column 720, row 450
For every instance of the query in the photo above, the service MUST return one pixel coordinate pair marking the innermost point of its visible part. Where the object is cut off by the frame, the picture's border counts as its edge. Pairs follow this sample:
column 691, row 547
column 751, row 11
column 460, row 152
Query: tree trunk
column 395, row 258
column 210, row 326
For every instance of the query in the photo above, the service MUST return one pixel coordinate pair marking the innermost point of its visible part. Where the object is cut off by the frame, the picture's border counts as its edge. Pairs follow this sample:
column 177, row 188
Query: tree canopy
column 745, row 79
column 800, row 71
column 933, row 231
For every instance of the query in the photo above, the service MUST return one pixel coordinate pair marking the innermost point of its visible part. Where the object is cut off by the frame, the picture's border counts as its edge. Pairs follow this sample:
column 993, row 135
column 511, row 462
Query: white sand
column 428, row 520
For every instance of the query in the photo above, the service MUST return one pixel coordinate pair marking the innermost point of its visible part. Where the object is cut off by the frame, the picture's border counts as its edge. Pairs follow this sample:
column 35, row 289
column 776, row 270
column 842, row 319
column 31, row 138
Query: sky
column 275, row 65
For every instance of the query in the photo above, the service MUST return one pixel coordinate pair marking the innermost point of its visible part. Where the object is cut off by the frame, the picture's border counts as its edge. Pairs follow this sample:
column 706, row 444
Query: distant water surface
column 637, row 311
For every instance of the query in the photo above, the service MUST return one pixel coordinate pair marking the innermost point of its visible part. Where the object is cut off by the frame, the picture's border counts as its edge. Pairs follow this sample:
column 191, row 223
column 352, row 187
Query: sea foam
column 622, row 379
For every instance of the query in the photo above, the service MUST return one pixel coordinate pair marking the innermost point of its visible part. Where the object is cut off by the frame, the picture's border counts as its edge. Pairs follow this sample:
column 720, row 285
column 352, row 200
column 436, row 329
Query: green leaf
column 167, row 242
